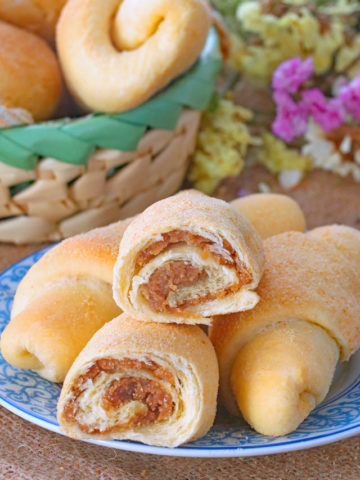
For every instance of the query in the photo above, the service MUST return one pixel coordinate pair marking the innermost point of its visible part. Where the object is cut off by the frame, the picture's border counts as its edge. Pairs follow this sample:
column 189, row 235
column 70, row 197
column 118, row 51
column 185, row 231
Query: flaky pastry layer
column 152, row 383
column 187, row 258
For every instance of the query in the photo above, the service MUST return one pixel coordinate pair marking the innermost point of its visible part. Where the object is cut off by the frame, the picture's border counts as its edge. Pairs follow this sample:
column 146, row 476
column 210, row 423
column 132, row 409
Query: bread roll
column 37, row 16
column 271, row 213
column 66, row 296
column 346, row 239
column 29, row 73
column 117, row 54
column 53, row 329
column 61, row 302
column 186, row 258
column 151, row 383
column 277, row 361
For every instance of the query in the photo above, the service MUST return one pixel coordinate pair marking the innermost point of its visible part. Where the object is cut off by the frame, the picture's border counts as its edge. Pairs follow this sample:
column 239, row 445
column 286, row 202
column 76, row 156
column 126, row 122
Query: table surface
column 32, row 453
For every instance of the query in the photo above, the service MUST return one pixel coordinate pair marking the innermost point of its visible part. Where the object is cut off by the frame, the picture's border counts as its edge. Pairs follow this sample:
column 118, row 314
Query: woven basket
column 68, row 176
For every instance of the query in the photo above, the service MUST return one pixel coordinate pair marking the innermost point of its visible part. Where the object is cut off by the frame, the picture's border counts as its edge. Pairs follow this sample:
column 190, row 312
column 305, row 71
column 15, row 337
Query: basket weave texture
column 68, row 176
column 68, row 199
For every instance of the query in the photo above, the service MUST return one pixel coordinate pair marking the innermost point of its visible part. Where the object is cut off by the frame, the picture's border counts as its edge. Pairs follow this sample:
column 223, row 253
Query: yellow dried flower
column 221, row 145
column 280, row 38
column 347, row 54
column 277, row 157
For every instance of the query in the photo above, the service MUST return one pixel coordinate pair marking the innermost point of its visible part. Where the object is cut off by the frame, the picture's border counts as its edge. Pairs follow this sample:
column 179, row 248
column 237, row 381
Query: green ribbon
column 73, row 140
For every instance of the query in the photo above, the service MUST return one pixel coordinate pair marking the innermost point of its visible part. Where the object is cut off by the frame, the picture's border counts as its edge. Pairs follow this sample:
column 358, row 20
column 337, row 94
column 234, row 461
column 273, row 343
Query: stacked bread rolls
column 148, row 376
column 66, row 297
column 52, row 318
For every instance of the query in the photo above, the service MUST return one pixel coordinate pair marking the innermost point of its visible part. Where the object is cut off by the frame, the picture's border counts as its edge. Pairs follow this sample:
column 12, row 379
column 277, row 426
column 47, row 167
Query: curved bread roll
column 152, row 383
column 61, row 302
column 345, row 239
column 29, row 73
column 271, row 213
column 38, row 16
column 186, row 258
column 65, row 297
column 277, row 360
column 117, row 54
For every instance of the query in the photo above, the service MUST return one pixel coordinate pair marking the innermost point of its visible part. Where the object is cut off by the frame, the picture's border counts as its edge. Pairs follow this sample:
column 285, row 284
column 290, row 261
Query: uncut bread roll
column 117, row 54
column 271, row 213
column 29, row 72
column 151, row 383
column 344, row 238
column 186, row 258
column 277, row 361
column 61, row 302
column 37, row 16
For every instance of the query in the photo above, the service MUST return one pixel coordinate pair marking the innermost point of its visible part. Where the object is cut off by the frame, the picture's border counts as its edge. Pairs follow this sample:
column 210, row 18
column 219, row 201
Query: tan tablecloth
column 32, row 453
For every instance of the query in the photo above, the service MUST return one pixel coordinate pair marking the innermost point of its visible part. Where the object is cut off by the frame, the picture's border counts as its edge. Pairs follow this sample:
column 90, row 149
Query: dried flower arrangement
column 306, row 57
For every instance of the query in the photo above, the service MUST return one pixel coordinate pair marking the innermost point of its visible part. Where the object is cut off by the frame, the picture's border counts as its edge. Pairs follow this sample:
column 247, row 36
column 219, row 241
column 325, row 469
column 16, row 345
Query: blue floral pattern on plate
column 33, row 398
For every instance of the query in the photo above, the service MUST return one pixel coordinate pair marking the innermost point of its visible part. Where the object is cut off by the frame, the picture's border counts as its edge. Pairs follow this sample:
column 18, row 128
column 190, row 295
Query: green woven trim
column 47, row 140
column 156, row 113
column 73, row 140
column 16, row 156
column 103, row 131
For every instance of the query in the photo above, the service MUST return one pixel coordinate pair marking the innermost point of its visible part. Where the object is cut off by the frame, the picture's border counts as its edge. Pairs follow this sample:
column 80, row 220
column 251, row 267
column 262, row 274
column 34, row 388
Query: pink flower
column 291, row 74
column 350, row 97
column 291, row 117
column 328, row 113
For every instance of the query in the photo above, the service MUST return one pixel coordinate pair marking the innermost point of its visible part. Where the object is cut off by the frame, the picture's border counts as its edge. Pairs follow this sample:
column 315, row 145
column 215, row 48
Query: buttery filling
column 152, row 401
column 177, row 274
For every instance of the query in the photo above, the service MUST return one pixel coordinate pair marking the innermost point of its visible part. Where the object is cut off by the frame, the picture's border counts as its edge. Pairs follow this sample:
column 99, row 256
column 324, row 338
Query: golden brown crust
column 30, row 75
column 184, row 350
column 37, row 16
column 344, row 238
column 282, row 374
column 305, row 278
column 90, row 254
column 107, row 49
column 271, row 214
column 48, row 335
column 62, row 301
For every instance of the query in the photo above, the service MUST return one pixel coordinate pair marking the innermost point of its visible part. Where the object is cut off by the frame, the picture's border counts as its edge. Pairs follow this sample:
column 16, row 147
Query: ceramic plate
column 26, row 394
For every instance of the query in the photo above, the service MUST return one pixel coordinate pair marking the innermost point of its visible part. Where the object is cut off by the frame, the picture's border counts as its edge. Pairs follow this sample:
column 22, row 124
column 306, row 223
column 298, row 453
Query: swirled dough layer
column 155, row 384
column 187, row 258
column 116, row 54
